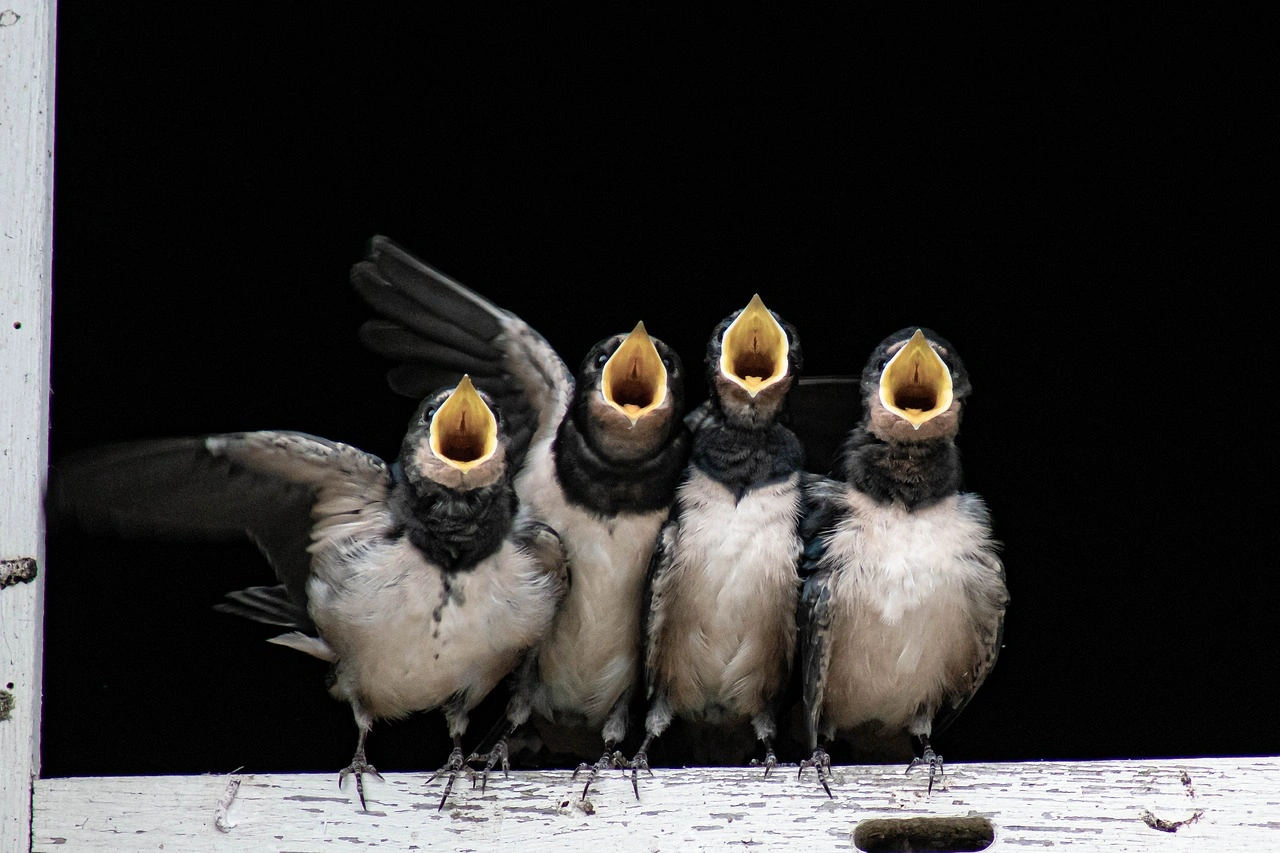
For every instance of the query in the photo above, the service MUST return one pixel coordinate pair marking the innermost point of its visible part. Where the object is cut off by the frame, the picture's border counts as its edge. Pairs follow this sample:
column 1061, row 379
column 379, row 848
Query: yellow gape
column 464, row 431
column 916, row 385
column 635, row 379
column 753, row 352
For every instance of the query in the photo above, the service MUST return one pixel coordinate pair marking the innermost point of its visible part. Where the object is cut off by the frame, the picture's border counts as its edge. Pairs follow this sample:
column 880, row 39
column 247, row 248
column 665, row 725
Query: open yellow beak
column 635, row 379
column 753, row 352
column 464, row 431
column 916, row 385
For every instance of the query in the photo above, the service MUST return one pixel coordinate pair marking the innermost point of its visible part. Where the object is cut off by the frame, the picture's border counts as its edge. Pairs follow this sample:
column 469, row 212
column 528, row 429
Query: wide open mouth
column 753, row 352
column 464, row 431
column 635, row 379
column 916, row 384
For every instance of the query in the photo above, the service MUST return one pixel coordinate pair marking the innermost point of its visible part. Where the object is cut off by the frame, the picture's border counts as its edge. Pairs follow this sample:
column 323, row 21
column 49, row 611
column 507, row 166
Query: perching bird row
column 582, row 537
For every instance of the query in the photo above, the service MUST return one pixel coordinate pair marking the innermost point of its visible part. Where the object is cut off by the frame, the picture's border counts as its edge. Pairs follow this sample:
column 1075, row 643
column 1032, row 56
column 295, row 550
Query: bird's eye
column 666, row 362
column 603, row 359
column 881, row 364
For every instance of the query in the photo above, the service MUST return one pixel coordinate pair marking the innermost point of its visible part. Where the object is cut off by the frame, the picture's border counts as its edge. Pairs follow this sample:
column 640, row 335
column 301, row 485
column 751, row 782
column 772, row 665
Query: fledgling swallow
column 422, row 583
column 902, row 611
column 605, row 450
column 723, row 584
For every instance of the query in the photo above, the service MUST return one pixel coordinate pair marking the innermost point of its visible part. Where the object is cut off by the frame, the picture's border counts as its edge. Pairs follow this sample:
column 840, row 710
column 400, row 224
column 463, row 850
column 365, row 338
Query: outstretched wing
column 437, row 330
column 282, row 490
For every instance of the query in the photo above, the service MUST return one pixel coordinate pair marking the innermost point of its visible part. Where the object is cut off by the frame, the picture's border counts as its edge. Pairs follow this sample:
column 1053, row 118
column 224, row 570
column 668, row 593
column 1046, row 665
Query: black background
column 1061, row 197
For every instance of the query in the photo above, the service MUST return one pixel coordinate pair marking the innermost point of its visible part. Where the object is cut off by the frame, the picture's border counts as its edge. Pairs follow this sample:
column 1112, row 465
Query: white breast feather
column 902, row 620
column 403, row 644
column 726, row 639
column 590, row 655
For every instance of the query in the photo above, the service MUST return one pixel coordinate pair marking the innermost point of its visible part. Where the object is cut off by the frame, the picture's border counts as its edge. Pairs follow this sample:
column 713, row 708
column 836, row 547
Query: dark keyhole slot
column 924, row 835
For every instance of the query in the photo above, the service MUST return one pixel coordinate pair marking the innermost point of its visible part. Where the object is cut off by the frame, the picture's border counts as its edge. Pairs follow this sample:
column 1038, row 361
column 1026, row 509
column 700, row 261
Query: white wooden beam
column 26, row 247
column 1169, row 805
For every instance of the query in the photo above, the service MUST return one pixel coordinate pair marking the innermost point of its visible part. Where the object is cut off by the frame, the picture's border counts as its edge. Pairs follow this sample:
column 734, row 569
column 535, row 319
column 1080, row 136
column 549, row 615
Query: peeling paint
column 21, row 570
column 303, row 798
column 7, row 19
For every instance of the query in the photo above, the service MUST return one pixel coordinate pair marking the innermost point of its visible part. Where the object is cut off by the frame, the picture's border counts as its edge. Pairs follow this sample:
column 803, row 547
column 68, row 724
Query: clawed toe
column 610, row 759
column 496, row 757
column 635, row 765
column 821, row 763
column 453, row 767
column 770, row 762
column 934, row 761
column 359, row 767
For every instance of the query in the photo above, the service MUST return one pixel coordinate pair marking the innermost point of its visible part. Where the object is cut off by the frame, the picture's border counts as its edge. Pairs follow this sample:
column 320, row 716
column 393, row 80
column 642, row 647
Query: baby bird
column 422, row 582
column 605, row 449
column 902, row 611
column 723, row 583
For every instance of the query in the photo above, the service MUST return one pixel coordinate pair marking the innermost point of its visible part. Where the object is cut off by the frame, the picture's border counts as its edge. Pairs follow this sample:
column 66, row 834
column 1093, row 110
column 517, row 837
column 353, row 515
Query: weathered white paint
column 26, row 244
column 1084, row 806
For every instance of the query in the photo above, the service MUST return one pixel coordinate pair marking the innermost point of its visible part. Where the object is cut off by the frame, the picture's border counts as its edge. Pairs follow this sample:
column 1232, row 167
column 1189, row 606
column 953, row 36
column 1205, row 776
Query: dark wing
column 822, row 509
column 544, row 543
column 823, row 411
column 694, row 418
column 654, row 613
column 278, row 489
column 991, row 637
column 438, row 330
column 988, row 598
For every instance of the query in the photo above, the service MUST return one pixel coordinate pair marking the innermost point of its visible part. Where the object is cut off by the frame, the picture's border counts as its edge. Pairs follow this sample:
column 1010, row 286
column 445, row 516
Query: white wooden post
column 27, row 30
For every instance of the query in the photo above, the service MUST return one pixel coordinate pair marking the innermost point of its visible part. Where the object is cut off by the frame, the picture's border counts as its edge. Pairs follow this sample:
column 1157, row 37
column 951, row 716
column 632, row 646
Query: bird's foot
column 456, row 764
column 635, row 765
column 495, row 757
column 820, row 762
column 770, row 762
column 933, row 760
column 611, row 758
column 359, row 767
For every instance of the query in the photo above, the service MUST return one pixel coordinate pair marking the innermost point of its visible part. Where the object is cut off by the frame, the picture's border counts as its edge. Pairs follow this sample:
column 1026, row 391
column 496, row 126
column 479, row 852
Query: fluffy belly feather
column 903, row 635
column 731, row 628
column 591, row 653
column 409, row 636
column 889, row 672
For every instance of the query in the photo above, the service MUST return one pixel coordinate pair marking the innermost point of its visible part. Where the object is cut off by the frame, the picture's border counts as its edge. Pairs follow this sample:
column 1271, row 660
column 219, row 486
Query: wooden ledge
column 1192, row 804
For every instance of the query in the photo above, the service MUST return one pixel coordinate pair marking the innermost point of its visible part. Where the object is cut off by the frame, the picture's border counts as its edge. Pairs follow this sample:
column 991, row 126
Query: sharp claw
column 770, row 762
column 358, row 767
column 455, row 764
column 819, row 761
column 640, row 761
column 934, row 761
column 611, row 759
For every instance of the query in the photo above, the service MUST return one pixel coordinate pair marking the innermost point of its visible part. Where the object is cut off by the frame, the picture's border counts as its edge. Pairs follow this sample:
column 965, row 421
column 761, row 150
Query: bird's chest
column 591, row 652
column 727, row 548
column 731, row 594
column 902, row 629
column 408, row 635
column 902, row 564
